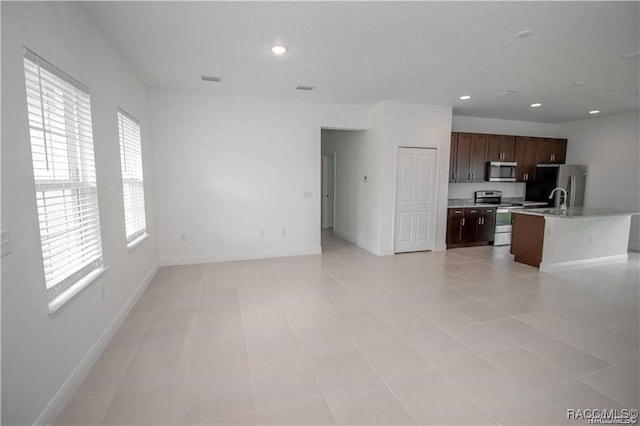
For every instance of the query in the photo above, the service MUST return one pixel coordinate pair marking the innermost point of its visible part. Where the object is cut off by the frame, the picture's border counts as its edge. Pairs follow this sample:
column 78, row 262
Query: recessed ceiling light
column 210, row 78
column 578, row 83
column 524, row 34
column 632, row 55
column 279, row 49
column 595, row 111
column 303, row 87
column 465, row 97
column 536, row 105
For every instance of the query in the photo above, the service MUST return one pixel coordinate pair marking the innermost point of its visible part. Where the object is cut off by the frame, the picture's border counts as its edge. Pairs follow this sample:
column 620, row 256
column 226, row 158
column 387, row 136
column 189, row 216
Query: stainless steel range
column 503, row 214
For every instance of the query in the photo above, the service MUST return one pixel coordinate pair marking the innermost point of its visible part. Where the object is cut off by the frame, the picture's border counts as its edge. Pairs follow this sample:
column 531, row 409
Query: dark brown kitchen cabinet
column 453, row 157
column 501, row 148
column 559, row 151
column 478, row 157
column 543, row 152
column 551, row 151
column 470, row 226
column 469, row 229
column 487, row 225
column 455, row 223
column 463, row 158
column 470, row 156
column 525, row 155
column 471, row 151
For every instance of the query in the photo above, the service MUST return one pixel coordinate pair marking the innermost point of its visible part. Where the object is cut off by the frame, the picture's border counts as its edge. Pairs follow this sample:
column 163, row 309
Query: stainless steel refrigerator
column 570, row 177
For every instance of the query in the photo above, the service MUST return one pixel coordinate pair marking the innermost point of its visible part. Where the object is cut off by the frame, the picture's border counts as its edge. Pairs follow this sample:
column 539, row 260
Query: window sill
column 135, row 243
column 60, row 300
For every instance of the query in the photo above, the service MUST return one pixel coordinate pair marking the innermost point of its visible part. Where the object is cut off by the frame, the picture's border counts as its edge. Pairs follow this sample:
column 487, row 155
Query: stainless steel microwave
column 501, row 171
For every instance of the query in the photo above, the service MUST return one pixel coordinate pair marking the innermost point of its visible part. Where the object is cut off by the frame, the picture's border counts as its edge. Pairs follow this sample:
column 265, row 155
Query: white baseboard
column 247, row 255
column 565, row 266
column 65, row 392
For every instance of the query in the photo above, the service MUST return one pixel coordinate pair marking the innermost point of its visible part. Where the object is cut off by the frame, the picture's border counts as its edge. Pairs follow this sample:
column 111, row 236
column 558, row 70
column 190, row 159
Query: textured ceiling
column 366, row 52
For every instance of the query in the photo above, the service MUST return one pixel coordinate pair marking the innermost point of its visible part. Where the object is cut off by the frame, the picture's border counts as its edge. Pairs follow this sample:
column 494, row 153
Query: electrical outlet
column 6, row 242
column 183, row 237
column 284, row 232
column 262, row 233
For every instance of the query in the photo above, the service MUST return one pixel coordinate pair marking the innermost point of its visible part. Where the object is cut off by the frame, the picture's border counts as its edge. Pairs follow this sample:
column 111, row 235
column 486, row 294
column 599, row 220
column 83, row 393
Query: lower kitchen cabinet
column 470, row 226
column 487, row 225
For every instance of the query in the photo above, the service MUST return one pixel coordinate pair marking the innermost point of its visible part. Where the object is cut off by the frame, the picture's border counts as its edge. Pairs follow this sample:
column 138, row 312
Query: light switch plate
column 5, row 242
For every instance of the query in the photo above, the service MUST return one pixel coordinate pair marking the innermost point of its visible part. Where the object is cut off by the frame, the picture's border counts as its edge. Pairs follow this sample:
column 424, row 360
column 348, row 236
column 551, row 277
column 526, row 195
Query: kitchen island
column 553, row 240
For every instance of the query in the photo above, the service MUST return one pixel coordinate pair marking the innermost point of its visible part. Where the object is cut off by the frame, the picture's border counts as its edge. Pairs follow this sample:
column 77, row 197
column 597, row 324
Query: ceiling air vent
column 303, row 87
column 209, row 78
column 505, row 93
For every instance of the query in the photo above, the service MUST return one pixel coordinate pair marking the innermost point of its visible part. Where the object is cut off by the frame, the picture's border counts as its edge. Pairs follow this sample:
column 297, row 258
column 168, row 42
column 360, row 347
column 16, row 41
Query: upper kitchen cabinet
column 551, row 151
column 463, row 158
column 471, row 151
column 559, row 151
column 478, row 157
column 501, row 148
column 525, row 152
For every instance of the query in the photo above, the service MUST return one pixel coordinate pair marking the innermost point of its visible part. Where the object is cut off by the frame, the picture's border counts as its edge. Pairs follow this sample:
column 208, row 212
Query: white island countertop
column 576, row 212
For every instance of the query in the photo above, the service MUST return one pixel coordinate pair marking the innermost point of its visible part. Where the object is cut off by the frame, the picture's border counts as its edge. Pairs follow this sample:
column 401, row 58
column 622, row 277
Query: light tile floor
column 465, row 336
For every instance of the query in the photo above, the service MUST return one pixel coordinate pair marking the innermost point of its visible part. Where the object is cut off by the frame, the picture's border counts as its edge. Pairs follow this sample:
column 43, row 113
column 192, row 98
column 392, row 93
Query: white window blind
column 64, row 170
column 132, row 176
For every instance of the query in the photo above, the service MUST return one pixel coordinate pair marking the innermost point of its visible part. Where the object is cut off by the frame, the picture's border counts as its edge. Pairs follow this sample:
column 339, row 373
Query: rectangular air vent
column 209, row 78
column 302, row 87
column 505, row 93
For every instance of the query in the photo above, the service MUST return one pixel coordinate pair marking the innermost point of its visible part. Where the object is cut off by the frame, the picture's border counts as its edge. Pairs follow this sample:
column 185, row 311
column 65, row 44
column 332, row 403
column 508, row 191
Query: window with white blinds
column 132, row 176
column 64, row 170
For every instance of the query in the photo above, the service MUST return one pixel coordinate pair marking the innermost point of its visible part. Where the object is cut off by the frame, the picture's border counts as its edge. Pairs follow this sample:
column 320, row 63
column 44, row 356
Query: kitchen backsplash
column 466, row 190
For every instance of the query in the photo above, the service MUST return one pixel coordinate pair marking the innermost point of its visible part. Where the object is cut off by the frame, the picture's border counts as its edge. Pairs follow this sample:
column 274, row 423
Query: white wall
column 610, row 147
column 233, row 173
column 414, row 125
column 42, row 354
column 356, row 201
column 504, row 127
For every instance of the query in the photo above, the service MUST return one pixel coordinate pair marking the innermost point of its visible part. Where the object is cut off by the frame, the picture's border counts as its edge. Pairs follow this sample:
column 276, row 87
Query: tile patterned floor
column 465, row 336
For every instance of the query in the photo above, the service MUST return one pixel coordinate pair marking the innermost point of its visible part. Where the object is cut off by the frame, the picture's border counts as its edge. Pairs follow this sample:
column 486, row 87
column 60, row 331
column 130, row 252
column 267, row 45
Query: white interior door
column 415, row 200
column 327, row 191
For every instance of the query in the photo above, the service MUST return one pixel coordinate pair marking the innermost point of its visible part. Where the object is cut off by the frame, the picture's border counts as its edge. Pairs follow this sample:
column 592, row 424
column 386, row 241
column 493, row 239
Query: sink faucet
column 563, row 205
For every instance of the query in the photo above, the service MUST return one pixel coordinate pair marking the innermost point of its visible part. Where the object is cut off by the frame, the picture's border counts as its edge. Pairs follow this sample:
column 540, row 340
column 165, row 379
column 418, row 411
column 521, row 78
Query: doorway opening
column 340, row 157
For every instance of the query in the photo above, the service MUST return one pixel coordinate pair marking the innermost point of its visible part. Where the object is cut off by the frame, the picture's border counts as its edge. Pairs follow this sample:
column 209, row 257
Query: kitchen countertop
column 578, row 212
